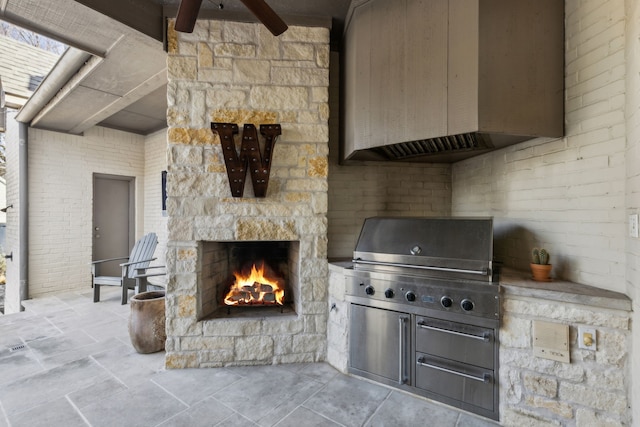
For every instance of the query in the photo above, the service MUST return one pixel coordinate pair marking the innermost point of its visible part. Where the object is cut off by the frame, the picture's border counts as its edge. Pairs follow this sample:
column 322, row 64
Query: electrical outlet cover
column 584, row 334
column 633, row 225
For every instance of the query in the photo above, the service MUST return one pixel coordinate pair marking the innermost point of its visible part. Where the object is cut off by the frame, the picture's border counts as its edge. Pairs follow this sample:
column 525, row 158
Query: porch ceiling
column 122, row 83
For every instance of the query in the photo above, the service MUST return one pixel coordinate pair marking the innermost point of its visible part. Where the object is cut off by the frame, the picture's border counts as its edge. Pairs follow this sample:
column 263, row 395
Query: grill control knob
column 410, row 296
column 466, row 304
column 388, row 293
column 369, row 290
column 446, row 302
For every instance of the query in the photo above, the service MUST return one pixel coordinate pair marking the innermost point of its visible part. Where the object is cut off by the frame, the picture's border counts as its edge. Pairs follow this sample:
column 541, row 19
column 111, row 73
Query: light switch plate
column 633, row 225
column 587, row 338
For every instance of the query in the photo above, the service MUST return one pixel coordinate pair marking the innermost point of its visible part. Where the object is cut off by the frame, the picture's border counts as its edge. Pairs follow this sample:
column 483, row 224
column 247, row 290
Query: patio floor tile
column 77, row 367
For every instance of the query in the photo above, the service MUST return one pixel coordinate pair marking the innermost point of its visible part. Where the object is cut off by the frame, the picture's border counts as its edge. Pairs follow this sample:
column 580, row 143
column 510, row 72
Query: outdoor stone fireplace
column 239, row 73
column 248, row 279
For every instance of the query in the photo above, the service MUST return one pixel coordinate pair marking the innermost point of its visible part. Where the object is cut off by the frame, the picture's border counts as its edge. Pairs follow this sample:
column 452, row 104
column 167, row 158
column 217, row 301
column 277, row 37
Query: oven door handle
column 484, row 379
column 402, row 349
column 485, row 337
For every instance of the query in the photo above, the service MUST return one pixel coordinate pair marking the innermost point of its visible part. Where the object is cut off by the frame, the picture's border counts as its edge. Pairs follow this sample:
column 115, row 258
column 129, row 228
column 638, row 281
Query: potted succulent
column 540, row 267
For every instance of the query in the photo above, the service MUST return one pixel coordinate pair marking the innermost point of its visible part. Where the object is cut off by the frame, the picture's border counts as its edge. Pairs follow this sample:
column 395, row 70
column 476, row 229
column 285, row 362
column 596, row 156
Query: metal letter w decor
column 250, row 157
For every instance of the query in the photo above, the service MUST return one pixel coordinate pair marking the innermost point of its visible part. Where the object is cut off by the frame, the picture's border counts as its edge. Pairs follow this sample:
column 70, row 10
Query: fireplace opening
column 248, row 278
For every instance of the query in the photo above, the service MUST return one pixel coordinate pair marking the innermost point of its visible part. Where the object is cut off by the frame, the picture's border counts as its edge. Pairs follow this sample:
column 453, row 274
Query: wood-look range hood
column 442, row 81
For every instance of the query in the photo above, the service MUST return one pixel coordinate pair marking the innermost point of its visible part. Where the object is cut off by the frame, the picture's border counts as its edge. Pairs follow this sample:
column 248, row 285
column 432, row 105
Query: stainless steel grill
column 425, row 309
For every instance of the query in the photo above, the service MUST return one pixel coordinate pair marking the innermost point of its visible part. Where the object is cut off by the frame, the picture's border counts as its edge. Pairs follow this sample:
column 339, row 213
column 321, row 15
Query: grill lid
column 432, row 246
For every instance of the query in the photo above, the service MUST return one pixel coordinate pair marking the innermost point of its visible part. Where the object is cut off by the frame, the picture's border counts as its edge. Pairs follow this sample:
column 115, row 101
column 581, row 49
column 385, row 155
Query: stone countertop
column 515, row 283
column 339, row 264
column 519, row 284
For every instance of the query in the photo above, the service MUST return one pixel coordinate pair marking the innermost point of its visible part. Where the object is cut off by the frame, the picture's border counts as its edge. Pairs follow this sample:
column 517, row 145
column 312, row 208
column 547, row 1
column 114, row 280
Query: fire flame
column 259, row 285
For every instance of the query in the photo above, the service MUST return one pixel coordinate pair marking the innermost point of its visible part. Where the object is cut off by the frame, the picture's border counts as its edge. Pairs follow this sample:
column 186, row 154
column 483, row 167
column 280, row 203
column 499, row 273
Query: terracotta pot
column 147, row 322
column 541, row 272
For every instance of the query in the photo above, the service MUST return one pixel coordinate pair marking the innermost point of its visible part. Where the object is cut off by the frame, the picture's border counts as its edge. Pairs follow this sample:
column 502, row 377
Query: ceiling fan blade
column 187, row 15
column 266, row 15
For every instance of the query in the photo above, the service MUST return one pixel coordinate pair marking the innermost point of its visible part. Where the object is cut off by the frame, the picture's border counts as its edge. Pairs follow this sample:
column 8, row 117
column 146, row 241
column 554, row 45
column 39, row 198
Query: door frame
column 132, row 207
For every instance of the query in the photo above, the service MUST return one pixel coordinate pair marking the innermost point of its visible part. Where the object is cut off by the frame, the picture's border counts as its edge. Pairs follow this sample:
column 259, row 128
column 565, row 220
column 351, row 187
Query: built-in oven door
column 456, row 361
column 379, row 344
column 467, row 384
column 457, row 341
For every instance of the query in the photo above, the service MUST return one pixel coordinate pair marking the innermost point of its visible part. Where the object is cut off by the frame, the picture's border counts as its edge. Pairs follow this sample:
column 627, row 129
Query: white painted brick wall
column 359, row 192
column 155, row 161
column 61, row 169
column 566, row 194
column 633, row 189
column 12, row 289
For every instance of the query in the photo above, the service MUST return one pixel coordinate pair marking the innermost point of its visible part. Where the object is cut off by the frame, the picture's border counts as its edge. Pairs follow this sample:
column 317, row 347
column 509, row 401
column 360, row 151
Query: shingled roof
column 22, row 68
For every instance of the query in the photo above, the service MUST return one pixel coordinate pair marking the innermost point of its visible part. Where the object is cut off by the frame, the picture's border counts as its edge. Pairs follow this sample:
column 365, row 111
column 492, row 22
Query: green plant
column 539, row 256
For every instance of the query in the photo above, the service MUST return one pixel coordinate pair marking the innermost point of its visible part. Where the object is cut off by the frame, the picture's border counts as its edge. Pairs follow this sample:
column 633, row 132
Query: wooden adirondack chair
column 140, row 257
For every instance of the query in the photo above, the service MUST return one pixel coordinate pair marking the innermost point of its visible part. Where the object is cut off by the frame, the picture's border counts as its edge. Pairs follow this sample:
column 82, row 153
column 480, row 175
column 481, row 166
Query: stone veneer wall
column 240, row 73
column 592, row 390
column 338, row 326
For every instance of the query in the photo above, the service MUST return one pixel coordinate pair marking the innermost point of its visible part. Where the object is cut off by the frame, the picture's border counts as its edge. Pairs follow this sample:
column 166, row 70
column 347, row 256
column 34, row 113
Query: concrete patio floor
column 66, row 361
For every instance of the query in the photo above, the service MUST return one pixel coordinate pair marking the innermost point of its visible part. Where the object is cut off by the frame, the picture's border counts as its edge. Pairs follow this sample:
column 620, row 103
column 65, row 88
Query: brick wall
column 12, row 289
column 633, row 184
column 155, row 161
column 566, row 194
column 61, row 169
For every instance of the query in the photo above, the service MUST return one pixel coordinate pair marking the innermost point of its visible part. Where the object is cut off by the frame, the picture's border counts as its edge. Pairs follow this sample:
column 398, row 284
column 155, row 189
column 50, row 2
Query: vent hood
column 442, row 81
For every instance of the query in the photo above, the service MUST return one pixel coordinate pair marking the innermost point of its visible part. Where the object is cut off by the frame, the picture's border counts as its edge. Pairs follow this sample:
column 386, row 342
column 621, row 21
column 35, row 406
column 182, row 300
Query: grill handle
column 484, row 379
column 402, row 349
column 485, row 337
column 483, row 272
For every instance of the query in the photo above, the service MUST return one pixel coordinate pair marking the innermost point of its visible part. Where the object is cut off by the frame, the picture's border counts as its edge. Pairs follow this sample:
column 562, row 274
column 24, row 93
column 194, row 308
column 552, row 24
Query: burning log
column 269, row 298
column 267, row 289
column 258, row 287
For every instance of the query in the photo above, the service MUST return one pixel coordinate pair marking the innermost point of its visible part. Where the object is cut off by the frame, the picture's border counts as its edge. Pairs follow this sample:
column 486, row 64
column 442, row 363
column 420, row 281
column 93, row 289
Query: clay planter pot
column 541, row 272
column 147, row 322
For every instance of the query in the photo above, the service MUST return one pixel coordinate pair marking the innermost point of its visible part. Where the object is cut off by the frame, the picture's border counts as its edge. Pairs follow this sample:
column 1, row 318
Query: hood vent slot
column 445, row 144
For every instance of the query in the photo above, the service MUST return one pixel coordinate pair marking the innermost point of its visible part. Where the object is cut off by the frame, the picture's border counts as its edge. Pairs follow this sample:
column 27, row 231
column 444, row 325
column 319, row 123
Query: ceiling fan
column 188, row 14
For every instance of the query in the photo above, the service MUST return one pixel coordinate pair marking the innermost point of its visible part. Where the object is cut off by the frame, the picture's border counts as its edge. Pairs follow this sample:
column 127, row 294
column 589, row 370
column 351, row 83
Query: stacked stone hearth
column 240, row 73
